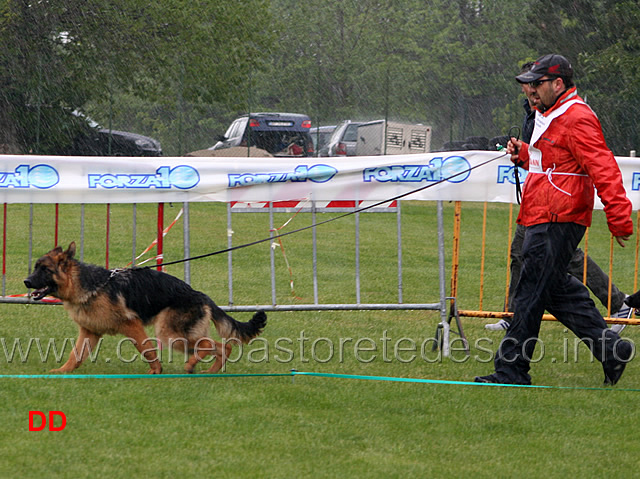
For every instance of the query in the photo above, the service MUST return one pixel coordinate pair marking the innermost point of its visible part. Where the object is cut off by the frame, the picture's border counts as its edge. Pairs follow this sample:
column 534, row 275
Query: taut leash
column 271, row 238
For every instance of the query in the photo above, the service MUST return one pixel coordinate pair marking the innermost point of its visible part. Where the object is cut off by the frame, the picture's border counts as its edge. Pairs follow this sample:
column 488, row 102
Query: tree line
column 180, row 70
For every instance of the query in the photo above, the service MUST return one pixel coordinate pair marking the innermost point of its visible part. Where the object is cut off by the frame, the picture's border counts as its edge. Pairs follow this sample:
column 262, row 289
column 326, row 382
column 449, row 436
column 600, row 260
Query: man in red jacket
column 566, row 158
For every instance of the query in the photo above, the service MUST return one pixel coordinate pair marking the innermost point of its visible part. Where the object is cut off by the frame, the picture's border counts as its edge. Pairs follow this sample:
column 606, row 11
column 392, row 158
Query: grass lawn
column 283, row 426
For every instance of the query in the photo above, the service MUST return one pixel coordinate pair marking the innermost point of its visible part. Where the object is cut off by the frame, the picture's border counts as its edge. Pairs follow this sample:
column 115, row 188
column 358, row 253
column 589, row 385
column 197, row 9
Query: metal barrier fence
column 233, row 209
column 312, row 208
column 477, row 271
column 603, row 246
column 462, row 268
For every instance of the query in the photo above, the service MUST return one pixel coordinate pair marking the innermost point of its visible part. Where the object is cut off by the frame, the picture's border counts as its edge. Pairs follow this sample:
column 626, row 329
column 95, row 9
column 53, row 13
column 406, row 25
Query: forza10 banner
column 450, row 176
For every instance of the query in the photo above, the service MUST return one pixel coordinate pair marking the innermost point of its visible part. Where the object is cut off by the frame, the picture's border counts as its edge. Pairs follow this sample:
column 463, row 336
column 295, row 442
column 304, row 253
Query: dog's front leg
column 135, row 330
column 85, row 344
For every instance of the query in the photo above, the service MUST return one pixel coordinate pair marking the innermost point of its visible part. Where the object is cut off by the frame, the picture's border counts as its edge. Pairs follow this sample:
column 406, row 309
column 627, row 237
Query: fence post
column 443, row 289
column 230, row 253
column 4, row 250
column 159, row 258
column 186, row 241
column 134, row 230
column 106, row 261
column 399, row 235
column 56, row 226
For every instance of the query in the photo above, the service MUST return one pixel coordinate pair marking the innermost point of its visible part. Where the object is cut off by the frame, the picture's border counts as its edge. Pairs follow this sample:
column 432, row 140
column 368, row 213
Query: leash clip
column 115, row 272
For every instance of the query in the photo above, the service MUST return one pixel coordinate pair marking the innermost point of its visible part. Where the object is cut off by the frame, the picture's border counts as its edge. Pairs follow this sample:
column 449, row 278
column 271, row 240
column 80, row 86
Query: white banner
column 463, row 175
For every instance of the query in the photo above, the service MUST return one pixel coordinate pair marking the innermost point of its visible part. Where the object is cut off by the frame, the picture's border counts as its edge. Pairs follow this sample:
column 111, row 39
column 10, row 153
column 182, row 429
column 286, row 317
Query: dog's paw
column 62, row 370
column 217, row 366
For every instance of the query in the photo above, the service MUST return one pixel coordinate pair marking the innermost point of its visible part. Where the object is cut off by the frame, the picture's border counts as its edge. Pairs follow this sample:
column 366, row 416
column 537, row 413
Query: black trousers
column 545, row 284
column 597, row 280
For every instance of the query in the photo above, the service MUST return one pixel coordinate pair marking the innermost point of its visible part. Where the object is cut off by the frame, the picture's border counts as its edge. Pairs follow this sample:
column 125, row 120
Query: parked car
column 280, row 134
column 94, row 140
column 344, row 140
column 321, row 136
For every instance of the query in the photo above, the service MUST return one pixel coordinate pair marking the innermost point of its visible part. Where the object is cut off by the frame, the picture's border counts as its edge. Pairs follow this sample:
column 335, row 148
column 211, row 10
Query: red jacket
column 565, row 161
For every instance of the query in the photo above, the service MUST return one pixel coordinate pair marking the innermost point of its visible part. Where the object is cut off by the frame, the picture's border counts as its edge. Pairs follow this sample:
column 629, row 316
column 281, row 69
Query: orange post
column 508, row 275
column 455, row 258
column 635, row 270
column 482, row 255
column 610, row 275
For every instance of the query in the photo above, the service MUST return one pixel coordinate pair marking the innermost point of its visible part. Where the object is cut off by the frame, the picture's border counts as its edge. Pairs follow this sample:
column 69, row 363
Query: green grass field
column 283, row 426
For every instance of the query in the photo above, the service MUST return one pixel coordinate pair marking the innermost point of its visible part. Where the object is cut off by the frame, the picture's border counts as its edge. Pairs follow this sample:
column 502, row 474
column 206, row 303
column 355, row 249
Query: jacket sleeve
column 590, row 150
column 523, row 157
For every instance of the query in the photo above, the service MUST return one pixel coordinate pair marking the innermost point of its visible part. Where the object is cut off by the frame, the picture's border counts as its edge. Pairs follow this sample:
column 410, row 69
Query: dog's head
column 50, row 272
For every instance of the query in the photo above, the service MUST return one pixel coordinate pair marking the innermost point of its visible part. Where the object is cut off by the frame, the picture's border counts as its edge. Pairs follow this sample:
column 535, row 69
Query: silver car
column 321, row 136
column 344, row 140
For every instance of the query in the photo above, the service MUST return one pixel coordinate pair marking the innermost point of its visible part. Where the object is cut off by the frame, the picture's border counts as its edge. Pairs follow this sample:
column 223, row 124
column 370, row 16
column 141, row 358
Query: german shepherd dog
column 113, row 302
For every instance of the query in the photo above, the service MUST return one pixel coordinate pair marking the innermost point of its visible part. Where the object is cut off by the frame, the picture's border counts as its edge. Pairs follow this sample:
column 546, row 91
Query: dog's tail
column 229, row 328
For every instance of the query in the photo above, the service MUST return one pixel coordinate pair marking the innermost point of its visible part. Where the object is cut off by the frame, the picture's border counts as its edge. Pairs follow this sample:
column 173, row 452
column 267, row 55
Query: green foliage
column 602, row 41
column 181, row 71
column 612, row 75
column 176, row 51
column 439, row 63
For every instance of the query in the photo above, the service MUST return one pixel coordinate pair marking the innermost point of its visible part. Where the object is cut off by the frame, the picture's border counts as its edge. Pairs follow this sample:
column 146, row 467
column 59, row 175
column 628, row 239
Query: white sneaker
column 624, row 312
column 501, row 325
column 617, row 328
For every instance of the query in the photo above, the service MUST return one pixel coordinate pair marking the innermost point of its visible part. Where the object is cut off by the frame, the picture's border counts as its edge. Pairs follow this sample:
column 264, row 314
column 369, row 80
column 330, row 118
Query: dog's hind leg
column 202, row 348
column 223, row 352
column 134, row 330
column 85, row 344
column 205, row 347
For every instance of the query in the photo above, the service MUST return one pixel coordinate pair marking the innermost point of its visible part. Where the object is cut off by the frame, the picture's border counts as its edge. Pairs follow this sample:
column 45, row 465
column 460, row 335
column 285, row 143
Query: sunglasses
column 537, row 83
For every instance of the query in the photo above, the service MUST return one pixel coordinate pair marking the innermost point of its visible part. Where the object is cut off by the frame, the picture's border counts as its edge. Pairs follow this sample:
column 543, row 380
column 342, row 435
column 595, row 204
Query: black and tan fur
column 103, row 302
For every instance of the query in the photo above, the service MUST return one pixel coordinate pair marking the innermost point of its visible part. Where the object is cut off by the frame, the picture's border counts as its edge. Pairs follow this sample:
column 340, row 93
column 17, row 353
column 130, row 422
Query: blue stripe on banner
column 294, row 373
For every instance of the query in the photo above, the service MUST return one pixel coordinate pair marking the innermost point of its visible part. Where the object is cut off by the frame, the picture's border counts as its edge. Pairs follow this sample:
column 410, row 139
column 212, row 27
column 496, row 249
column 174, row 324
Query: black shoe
column 491, row 378
column 494, row 379
column 613, row 368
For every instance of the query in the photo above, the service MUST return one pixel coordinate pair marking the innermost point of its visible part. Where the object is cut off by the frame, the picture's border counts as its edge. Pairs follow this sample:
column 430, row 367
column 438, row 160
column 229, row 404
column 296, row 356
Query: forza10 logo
column 182, row 177
column 39, row 176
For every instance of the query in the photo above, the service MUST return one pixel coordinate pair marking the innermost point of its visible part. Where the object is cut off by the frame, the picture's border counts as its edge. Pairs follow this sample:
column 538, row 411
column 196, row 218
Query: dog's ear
column 71, row 250
column 56, row 250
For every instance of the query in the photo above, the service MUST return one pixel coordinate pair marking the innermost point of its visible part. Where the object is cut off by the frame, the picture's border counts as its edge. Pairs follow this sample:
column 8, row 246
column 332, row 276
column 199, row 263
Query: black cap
column 552, row 65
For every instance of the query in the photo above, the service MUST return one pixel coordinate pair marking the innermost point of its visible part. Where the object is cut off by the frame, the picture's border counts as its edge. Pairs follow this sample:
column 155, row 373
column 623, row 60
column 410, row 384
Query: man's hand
column 513, row 148
column 622, row 239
